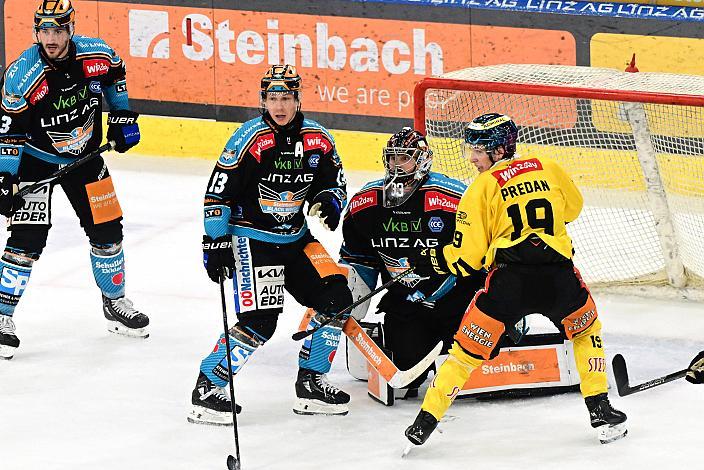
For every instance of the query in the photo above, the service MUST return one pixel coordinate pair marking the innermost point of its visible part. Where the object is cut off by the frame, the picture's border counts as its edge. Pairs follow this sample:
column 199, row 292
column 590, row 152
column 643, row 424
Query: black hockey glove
column 333, row 297
column 431, row 262
column 123, row 129
column 218, row 257
column 7, row 183
column 695, row 374
column 327, row 208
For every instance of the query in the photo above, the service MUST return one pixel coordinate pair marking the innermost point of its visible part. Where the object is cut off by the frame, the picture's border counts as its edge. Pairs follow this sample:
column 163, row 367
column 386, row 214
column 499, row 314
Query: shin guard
column 590, row 360
column 449, row 381
column 214, row 366
column 108, row 263
column 14, row 276
column 319, row 349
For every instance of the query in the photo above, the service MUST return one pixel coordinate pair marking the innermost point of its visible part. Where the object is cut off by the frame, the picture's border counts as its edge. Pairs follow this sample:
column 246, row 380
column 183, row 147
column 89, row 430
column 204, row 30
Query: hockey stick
column 395, row 377
column 376, row 357
column 621, row 376
column 304, row 334
column 233, row 463
column 61, row 172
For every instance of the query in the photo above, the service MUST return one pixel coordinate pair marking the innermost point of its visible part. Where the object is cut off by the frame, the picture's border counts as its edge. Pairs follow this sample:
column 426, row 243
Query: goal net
column 632, row 142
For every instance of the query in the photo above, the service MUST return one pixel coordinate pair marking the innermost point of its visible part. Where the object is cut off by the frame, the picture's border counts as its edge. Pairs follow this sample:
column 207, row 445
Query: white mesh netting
column 639, row 164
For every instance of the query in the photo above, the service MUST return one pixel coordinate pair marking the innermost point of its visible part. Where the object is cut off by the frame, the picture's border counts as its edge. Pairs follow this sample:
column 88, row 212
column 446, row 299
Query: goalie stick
column 305, row 333
column 621, row 377
column 375, row 356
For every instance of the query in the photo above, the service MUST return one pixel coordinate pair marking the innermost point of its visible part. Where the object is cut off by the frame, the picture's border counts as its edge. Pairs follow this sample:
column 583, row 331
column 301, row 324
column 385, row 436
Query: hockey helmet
column 55, row 14
column 401, row 180
column 490, row 131
column 282, row 79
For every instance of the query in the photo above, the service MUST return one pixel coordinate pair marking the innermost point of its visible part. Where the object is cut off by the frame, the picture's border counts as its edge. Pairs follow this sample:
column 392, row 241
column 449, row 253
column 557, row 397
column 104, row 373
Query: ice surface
column 76, row 397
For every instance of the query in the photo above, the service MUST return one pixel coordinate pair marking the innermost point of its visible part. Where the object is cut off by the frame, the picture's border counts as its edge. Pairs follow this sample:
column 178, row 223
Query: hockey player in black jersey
column 256, row 233
column 50, row 116
column 388, row 223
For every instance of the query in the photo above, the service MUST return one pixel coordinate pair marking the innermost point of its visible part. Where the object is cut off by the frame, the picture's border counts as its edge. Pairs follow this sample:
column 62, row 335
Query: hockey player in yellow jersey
column 511, row 220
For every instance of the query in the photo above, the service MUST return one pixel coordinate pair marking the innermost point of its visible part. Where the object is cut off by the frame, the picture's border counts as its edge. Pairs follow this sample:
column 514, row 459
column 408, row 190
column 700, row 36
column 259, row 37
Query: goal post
column 632, row 142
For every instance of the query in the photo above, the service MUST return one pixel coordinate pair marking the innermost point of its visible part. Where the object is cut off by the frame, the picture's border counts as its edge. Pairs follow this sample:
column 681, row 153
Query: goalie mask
column 407, row 160
column 489, row 131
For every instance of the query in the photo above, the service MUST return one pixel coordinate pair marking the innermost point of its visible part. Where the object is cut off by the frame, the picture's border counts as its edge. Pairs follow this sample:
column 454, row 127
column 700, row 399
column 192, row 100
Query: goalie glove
column 327, row 208
column 123, row 129
column 218, row 257
column 695, row 374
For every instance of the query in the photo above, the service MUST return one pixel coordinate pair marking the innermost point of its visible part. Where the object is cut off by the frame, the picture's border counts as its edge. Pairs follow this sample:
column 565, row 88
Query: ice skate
column 315, row 395
column 608, row 421
column 422, row 428
column 8, row 340
column 210, row 404
column 124, row 319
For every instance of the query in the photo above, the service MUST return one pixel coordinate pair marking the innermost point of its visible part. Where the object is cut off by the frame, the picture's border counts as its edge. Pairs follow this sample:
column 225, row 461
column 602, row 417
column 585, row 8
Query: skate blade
column 611, row 433
column 304, row 406
column 120, row 329
column 201, row 415
column 7, row 352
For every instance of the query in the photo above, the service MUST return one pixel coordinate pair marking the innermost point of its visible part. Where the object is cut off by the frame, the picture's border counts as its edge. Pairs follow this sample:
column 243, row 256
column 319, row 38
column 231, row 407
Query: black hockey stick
column 61, row 172
column 304, row 334
column 233, row 463
column 621, row 376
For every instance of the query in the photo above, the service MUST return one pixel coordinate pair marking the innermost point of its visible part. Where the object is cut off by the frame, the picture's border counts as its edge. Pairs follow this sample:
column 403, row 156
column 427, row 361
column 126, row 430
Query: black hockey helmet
column 404, row 146
column 490, row 131
column 282, row 79
column 55, row 14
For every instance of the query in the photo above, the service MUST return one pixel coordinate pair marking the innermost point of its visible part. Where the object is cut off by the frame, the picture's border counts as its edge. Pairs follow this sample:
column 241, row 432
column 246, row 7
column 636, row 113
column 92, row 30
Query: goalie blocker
column 542, row 364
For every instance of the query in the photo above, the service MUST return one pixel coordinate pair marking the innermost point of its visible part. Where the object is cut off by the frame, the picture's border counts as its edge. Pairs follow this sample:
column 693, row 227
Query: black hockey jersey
column 386, row 241
column 53, row 110
column 264, row 176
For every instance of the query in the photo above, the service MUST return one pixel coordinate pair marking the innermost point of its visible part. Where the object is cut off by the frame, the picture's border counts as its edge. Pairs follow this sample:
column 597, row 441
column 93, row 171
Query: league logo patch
column 282, row 206
column 313, row 160
column 75, row 141
column 95, row 87
column 397, row 266
column 435, row 224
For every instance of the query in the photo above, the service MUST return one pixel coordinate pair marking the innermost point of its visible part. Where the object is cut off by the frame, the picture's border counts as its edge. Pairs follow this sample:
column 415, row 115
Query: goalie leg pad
column 591, row 361
column 318, row 350
column 451, row 377
column 242, row 346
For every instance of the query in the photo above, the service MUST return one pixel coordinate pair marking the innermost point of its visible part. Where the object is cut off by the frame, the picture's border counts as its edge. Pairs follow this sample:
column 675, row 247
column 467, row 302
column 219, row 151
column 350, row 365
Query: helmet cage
column 400, row 184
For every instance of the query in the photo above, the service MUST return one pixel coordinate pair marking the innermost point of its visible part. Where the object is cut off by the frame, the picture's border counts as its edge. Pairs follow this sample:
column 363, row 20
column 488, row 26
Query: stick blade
column 232, row 463
column 620, row 375
column 404, row 377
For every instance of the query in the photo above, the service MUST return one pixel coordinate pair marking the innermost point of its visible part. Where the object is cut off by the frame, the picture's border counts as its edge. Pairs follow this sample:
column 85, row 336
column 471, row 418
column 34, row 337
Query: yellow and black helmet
column 55, row 14
column 281, row 78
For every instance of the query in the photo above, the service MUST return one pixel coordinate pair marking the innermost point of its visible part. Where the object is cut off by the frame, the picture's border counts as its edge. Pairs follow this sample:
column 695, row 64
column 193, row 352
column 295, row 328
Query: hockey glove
column 333, row 297
column 7, row 184
column 430, row 263
column 218, row 257
column 695, row 374
column 123, row 129
column 327, row 208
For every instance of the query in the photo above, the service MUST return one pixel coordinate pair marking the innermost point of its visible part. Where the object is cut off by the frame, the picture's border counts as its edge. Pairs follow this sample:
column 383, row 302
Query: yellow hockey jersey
column 508, row 203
